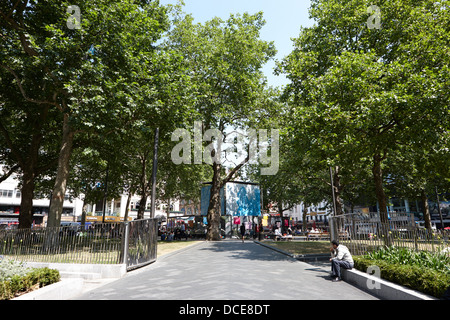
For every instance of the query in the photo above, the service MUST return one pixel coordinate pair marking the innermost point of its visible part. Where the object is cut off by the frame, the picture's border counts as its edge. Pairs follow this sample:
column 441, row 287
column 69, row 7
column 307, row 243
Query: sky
column 283, row 21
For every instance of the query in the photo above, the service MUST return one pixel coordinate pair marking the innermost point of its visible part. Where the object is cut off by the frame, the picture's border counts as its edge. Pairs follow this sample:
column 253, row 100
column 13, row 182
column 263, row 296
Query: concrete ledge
column 382, row 288
column 275, row 249
column 313, row 257
column 300, row 257
column 62, row 290
column 86, row 271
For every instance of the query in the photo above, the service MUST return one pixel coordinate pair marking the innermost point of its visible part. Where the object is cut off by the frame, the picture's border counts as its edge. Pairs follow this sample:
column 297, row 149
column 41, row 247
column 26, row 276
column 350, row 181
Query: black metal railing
column 363, row 233
column 133, row 243
column 141, row 246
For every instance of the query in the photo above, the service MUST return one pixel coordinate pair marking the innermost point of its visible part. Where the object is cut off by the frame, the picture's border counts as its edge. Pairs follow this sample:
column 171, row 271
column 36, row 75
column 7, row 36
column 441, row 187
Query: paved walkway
column 227, row 270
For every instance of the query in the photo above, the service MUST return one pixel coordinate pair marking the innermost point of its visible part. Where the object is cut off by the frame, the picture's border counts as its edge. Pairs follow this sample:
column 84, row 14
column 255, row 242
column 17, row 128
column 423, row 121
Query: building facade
column 317, row 213
column 10, row 198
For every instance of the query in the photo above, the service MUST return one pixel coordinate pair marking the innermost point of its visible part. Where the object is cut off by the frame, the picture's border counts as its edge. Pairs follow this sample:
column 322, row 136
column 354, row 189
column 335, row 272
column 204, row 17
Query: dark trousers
column 336, row 266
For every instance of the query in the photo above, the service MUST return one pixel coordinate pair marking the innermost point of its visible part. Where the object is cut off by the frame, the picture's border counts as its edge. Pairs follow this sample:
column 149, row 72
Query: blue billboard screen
column 239, row 199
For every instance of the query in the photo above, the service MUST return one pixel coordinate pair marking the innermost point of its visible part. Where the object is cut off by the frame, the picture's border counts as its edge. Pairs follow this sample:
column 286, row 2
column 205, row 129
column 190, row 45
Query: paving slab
column 227, row 270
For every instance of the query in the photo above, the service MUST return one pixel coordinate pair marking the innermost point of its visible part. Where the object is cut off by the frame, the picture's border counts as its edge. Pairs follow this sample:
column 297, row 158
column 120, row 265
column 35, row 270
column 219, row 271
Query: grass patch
column 165, row 247
column 107, row 257
column 301, row 247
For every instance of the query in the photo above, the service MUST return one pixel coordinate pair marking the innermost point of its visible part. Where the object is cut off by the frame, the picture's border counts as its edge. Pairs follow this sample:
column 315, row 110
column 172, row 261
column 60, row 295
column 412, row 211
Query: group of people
column 315, row 230
column 171, row 235
column 252, row 230
column 178, row 233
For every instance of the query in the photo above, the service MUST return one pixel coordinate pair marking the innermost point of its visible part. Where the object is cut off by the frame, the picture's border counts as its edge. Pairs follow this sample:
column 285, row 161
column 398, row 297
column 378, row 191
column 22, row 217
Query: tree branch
column 11, row 145
column 9, row 173
column 24, row 93
column 232, row 172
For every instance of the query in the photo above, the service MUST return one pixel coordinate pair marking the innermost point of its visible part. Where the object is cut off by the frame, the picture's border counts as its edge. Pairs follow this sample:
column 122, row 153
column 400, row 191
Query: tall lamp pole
column 333, row 224
column 105, row 195
column 155, row 169
column 439, row 209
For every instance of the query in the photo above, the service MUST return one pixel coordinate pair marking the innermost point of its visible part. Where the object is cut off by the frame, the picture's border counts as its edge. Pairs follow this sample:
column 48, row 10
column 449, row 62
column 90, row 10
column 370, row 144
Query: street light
column 155, row 169
column 333, row 224
column 439, row 209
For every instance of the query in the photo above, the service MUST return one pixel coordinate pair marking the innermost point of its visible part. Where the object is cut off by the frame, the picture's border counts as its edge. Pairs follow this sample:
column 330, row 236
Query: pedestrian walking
column 242, row 232
column 342, row 259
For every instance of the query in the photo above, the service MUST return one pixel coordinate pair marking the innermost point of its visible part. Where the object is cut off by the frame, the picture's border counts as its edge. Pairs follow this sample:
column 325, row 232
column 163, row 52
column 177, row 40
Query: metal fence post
column 126, row 242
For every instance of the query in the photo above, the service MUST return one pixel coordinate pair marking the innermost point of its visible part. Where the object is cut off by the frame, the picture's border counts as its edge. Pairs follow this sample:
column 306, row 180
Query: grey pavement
column 227, row 270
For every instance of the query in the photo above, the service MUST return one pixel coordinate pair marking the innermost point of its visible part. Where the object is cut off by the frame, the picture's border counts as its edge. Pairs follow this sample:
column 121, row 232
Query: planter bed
column 425, row 280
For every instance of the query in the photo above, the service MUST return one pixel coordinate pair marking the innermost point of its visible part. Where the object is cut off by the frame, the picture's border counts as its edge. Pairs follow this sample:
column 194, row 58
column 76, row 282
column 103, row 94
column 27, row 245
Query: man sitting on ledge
column 342, row 259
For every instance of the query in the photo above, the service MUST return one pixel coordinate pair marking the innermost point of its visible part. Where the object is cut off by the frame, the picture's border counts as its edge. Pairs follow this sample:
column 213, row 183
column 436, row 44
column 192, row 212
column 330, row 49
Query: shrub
column 15, row 278
column 420, row 278
column 44, row 276
column 404, row 256
column 9, row 268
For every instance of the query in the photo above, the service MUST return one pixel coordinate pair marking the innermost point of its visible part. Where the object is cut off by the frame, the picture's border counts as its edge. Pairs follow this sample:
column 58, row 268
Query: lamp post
column 333, row 222
column 439, row 209
column 105, row 195
column 155, row 169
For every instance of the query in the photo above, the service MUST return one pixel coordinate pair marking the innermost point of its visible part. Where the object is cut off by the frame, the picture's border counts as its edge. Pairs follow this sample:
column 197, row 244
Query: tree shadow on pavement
column 246, row 251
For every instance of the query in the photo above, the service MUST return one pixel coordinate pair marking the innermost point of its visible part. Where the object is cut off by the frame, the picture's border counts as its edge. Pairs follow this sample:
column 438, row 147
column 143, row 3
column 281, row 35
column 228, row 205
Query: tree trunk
column 381, row 197
column 168, row 208
column 142, row 204
column 144, row 194
column 125, row 218
column 213, row 216
column 26, row 203
column 28, row 163
column 280, row 212
column 62, row 175
column 83, row 214
column 338, row 191
column 305, row 211
column 426, row 210
column 30, row 172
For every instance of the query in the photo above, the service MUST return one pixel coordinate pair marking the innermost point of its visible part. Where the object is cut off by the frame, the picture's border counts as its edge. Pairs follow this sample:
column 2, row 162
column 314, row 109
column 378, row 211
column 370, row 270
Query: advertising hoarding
column 237, row 199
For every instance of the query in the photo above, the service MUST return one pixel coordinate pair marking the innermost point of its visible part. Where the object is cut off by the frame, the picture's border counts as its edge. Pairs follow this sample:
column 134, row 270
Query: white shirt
column 342, row 253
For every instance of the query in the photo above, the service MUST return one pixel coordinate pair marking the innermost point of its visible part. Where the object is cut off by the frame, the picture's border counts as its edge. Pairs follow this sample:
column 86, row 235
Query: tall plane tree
column 95, row 63
column 225, row 60
column 367, row 84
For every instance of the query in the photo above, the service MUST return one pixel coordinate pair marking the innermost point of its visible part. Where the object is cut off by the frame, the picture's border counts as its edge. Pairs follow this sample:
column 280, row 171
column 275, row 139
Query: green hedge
column 422, row 279
column 22, row 283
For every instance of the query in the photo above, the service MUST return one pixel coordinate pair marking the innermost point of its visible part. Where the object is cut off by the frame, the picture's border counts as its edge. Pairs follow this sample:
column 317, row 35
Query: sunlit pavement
column 228, row 270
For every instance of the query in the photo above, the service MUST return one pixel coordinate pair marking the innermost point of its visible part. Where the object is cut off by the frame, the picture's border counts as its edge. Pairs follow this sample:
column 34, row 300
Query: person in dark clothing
column 242, row 232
